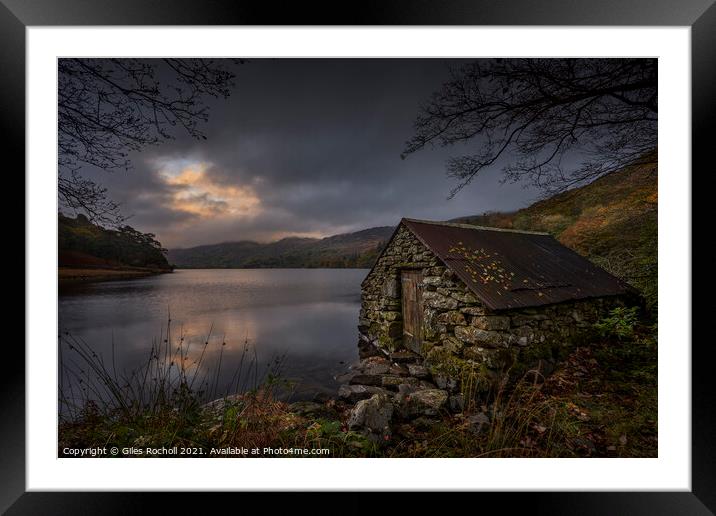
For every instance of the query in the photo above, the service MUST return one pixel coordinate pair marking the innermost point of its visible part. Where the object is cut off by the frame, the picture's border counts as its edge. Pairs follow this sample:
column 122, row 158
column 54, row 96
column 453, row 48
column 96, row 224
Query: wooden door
column 412, row 310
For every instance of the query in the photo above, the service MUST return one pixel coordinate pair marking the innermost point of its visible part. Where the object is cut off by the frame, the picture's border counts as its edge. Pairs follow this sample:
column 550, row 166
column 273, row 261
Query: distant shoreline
column 71, row 275
column 66, row 275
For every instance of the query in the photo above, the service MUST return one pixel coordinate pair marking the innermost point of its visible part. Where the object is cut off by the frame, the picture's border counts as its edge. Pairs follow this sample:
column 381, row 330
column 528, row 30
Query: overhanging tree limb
column 535, row 112
column 108, row 108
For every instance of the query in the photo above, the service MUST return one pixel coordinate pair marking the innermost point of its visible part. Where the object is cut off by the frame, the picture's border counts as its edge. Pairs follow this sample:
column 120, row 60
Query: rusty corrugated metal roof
column 515, row 269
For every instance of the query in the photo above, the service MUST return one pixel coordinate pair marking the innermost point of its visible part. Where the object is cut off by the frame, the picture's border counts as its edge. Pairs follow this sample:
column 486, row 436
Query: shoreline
column 69, row 275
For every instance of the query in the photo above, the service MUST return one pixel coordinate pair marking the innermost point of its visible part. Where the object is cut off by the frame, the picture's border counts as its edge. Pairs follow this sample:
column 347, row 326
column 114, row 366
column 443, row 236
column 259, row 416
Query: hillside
column 347, row 250
column 85, row 246
column 612, row 221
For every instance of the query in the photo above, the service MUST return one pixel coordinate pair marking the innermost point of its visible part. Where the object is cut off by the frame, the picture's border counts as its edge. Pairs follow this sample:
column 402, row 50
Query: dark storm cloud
column 304, row 147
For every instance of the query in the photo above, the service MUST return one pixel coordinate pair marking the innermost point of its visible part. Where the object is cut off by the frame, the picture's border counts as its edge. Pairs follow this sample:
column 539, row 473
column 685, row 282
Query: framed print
column 279, row 254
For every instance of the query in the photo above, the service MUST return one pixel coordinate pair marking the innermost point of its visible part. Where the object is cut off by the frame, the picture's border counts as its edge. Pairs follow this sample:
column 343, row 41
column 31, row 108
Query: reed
column 166, row 395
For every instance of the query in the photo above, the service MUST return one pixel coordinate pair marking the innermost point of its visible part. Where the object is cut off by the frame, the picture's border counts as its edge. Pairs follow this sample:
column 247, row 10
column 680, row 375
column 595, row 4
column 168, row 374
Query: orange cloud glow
column 195, row 192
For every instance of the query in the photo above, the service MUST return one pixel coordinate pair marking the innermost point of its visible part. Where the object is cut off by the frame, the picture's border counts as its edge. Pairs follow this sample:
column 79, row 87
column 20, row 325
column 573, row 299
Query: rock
column 489, row 357
column 436, row 270
column 392, row 382
column 473, row 310
column 394, row 329
column 404, row 357
column 464, row 297
column 218, row 407
column 418, row 371
column 413, row 385
column 366, row 379
column 373, row 366
column 354, row 393
column 491, row 322
column 456, row 403
column 398, row 370
column 526, row 335
column 448, row 275
column 432, row 280
column 474, row 335
column 425, row 385
column 372, row 416
column 527, row 320
column 452, row 317
column 344, row 377
column 391, row 316
column 427, row 345
column 430, row 323
column 404, row 389
column 433, row 330
column 428, row 402
column 367, row 349
column 390, row 288
column 437, row 300
column 452, row 344
column 478, row 423
column 546, row 324
column 445, row 382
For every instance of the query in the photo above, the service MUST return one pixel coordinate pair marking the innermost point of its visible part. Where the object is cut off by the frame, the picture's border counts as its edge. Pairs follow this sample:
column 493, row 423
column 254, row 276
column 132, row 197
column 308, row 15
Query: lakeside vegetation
column 87, row 251
column 612, row 221
column 600, row 402
column 73, row 274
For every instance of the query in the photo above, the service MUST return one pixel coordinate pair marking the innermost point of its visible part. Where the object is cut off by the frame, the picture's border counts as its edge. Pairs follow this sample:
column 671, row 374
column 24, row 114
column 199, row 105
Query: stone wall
column 380, row 321
column 465, row 345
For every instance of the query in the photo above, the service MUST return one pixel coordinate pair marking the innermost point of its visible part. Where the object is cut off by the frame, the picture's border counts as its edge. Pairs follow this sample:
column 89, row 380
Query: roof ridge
column 472, row 226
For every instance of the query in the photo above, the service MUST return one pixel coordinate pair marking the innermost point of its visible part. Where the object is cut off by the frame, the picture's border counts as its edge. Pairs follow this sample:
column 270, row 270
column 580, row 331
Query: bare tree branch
column 108, row 108
column 536, row 112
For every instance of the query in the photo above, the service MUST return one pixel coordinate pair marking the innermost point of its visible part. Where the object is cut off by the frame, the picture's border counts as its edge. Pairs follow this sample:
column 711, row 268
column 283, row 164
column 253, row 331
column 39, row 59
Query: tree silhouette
column 108, row 108
column 537, row 112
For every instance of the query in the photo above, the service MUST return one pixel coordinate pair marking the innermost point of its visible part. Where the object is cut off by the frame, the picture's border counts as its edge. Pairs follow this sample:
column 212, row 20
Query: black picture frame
column 699, row 15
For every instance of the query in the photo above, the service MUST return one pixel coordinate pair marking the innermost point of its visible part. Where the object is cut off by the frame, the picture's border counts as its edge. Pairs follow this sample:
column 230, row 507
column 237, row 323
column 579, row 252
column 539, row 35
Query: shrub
column 620, row 323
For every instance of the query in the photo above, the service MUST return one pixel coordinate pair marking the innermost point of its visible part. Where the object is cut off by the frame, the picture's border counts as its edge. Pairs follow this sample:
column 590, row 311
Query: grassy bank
column 612, row 221
column 600, row 402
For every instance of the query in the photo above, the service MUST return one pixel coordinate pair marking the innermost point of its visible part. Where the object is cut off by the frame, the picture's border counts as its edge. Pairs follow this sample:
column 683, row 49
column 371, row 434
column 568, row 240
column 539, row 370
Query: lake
column 309, row 316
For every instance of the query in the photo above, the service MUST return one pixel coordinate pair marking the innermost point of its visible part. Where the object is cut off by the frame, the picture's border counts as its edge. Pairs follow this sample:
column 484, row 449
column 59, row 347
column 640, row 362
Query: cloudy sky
column 307, row 148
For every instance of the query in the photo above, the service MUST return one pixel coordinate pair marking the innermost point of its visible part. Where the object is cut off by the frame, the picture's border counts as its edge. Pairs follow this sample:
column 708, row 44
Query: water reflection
column 308, row 315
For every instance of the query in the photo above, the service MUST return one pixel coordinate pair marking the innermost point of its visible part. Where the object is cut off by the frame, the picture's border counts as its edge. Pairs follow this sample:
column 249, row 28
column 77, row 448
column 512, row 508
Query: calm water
column 310, row 315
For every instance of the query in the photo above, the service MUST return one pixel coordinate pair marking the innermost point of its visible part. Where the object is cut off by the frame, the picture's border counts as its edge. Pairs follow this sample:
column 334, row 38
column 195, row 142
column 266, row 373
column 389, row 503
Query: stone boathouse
column 468, row 303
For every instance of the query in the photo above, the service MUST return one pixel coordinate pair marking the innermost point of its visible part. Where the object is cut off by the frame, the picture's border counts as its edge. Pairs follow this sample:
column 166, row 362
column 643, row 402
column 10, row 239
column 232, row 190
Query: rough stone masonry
column 466, row 347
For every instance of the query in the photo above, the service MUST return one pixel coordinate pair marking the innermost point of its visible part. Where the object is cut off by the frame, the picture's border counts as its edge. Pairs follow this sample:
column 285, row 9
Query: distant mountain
column 612, row 221
column 357, row 249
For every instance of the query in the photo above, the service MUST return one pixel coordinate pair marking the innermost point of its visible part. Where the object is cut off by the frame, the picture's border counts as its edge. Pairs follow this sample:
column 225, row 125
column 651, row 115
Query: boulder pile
column 396, row 387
